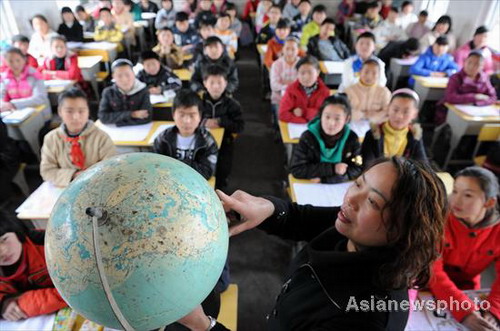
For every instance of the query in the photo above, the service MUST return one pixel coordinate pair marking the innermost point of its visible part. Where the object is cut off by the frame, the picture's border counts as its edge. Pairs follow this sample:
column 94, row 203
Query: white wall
column 24, row 10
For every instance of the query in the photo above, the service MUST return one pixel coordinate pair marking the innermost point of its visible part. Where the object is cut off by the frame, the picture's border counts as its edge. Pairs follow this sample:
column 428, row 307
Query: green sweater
column 310, row 30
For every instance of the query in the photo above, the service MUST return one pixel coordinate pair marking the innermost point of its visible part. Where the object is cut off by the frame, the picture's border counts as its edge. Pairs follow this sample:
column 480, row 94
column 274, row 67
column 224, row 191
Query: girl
column 40, row 40
column 379, row 243
column 166, row 16
column 472, row 234
column 397, row 136
column 21, row 85
column 479, row 43
column 25, row 286
column 328, row 152
column 283, row 71
column 85, row 19
column 70, row 27
column 170, row 54
column 442, row 27
column 303, row 97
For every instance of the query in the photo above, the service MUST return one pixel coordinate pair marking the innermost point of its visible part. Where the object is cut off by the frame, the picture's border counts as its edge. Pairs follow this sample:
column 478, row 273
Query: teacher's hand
column 253, row 210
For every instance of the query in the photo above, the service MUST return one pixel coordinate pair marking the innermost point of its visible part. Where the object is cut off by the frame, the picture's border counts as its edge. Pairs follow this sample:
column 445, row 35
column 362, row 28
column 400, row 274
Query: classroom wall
column 24, row 10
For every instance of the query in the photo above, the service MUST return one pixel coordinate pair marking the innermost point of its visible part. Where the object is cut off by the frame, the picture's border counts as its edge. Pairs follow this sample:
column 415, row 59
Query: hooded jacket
column 73, row 33
column 338, row 46
column 165, row 78
column 428, row 62
column 226, row 109
column 296, row 97
column 116, row 107
column 224, row 61
column 462, row 89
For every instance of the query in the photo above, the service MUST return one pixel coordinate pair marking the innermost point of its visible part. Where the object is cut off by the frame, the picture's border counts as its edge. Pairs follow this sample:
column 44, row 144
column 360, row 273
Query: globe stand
column 99, row 218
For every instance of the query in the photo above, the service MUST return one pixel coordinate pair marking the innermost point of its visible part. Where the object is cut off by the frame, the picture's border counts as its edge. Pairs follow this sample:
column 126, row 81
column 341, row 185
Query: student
column 371, row 19
column 275, row 44
column 85, row 20
column 190, row 7
column 205, row 13
column 283, row 71
column 303, row 97
column 226, row 35
column 101, row 4
column 169, row 53
column 26, row 289
column 368, row 100
column 268, row 30
column 471, row 85
column 291, row 9
column 126, row 102
column 107, row 30
column 23, row 43
column 124, row 19
column 389, row 30
column 386, row 8
column 478, row 43
column 134, row 9
column 441, row 28
column 261, row 15
column 472, row 234
column 76, row 145
column 205, row 30
column 219, row 6
column 345, row 11
column 187, row 141
column 329, row 151
column 312, row 28
column 325, row 46
column 399, row 50
column 214, row 54
column 250, row 10
column 157, row 78
column 379, row 243
column 435, row 62
column 365, row 47
column 407, row 17
column 166, row 16
column 148, row 6
column 397, row 136
column 184, row 35
column 221, row 110
column 21, row 85
column 236, row 24
column 70, row 27
column 419, row 28
column 302, row 18
column 40, row 40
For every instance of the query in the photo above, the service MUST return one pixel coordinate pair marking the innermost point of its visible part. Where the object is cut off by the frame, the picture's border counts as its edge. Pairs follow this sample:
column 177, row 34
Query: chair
column 489, row 132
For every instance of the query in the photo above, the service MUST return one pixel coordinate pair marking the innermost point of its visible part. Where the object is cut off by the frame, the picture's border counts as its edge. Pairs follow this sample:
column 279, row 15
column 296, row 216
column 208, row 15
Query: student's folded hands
column 11, row 310
column 141, row 114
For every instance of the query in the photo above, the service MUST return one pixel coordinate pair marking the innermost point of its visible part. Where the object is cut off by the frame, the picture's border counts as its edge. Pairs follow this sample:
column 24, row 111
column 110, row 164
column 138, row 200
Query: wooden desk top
column 60, row 88
column 432, row 82
column 87, row 62
column 183, row 74
column 467, row 117
column 292, row 180
column 337, row 70
column 285, row 135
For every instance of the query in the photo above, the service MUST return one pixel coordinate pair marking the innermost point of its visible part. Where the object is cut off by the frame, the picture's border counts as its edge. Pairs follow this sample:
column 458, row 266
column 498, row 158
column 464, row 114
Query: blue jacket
column 428, row 62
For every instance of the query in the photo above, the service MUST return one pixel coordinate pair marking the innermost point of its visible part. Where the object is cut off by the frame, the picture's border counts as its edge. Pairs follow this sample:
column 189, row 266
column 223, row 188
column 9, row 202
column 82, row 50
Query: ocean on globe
column 154, row 250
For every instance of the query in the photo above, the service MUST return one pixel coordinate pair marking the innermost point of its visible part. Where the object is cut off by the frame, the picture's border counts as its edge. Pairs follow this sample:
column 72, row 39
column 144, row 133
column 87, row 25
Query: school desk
column 462, row 124
column 332, row 71
column 400, row 68
column 261, row 49
column 28, row 129
column 56, row 87
column 39, row 204
column 290, row 134
column 183, row 74
column 89, row 66
column 430, row 88
column 84, row 48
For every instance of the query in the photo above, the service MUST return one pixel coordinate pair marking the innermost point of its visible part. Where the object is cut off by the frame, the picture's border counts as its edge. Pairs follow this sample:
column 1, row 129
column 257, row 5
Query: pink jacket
column 462, row 90
column 463, row 51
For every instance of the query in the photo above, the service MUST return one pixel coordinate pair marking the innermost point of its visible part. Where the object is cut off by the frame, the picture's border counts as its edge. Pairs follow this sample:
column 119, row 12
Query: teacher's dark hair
column 415, row 225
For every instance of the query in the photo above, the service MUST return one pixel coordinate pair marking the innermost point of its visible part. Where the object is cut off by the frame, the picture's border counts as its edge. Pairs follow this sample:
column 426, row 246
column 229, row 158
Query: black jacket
column 116, row 107
column 373, row 145
column 10, row 159
column 225, row 62
column 75, row 33
column 324, row 277
column 151, row 8
column 338, row 46
column 165, row 78
column 306, row 160
column 265, row 34
column 227, row 110
column 205, row 155
column 205, row 16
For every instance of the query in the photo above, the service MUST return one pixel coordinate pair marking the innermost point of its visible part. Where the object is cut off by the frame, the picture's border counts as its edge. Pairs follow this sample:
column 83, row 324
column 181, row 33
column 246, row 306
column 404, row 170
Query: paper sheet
column 320, row 195
column 38, row 323
column 17, row 116
column 57, row 82
column 360, row 127
column 296, row 130
column 76, row 44
column 167, row 96
column 159, row 130
column 435, row 80
column 148, row 16
column 407, row 62
column 479, row 111
column 99, row 45
column 127, row 133
column 334, row 67
column 41, row 201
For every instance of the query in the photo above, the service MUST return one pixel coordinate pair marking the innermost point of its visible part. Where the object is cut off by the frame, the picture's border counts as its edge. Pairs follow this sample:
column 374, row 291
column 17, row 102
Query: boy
column 420, row 28
column 157, row 78
column 236, row 25
column 365, row 46
column 126, row 102
column 169, row 53
column 187, row 141
column 107, row 30
column 220, row 110
column 184, row 35
column 205, row 13
column 85, row 19
column 226, row 35
column 407, row 16
column 371, row 19
column 214, row 54
column 312, row 28
column 76, row 145
column 21, row 42
column 166, row 16
column 389, row 30
column 302, row 18
column 275, row 45
column 326, row 46
column 123, row 18
column 267, row 32
column 205, row 30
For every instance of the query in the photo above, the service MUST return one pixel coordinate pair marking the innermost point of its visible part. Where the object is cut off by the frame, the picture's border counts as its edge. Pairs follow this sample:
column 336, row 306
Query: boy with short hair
column 166, row 16
column 325, row 46
column 214, row 54
column 184, row 35
column 267, row 31
column 157, row 77
column 276, row 43
column 23, row 43
column 419, row 28
column 302, row 18
column 76, row 145
column 312, row 28
column 205, row 30
column 226, row 35
column 107, row 30
column 187, row 141
column 205, row 13
column 221, row 110
column 371, row 19
column 85, row 19
column 126, row 102
column 389, row 30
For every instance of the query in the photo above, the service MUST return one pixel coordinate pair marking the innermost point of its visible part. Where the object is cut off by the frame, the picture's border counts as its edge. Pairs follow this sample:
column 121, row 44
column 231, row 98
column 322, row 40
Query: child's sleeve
column 196, row 79
column 368, row 153
column 115, row 35
column 419, row 151
column 452, row 94
column 99, row 34
column 171, row 82
column 232, row 79
column 233, row 43
column 106, row 113
column 4, row 96
column 40, row 302
column 73, row 72
column 303, row 164
column 452, row 66
column 491, row 92
column 206, row 162
column 160, row 146
column 287, row 105
column 353, row 157
column 50, row 169
column 275, row 78
column 233, row 122
column 106, row 147
column 37, row 98
column 418, row 68
column 494, row 297
column 268, row 57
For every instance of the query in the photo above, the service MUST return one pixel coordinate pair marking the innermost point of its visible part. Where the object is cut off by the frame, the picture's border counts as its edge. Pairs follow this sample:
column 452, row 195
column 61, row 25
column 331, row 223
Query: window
column 436, row 8
column 8, row 25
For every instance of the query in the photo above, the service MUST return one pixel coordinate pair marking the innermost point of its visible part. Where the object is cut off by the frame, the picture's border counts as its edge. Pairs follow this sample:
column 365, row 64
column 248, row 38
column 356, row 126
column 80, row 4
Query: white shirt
column 405, row 20
column 185, row 147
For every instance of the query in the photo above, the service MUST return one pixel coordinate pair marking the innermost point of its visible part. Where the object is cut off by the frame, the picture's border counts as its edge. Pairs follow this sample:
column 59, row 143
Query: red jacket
column 32, row 62
column 31, row 284
column 467, row 252
column 296, row 97
column 71, row 72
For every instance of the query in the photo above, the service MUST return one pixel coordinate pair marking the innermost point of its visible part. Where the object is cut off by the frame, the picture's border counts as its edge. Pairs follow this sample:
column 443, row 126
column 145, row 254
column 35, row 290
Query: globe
column 136, row 241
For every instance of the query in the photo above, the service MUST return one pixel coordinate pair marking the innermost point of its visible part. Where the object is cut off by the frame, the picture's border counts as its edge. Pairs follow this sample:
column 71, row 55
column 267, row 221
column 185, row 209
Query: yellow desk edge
column 322, row 67
column 183, row 74
column 421, row 79
column 473, row 118
column 285, row 135
column 228, row 314
column 83, row 58
column 292, row 180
